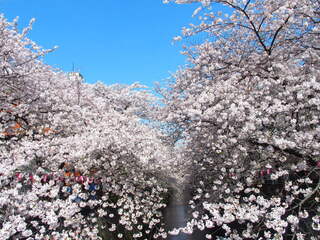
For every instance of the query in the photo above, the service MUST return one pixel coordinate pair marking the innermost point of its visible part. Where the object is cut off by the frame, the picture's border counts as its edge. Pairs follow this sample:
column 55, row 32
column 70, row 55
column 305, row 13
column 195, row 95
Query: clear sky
column 111, row 41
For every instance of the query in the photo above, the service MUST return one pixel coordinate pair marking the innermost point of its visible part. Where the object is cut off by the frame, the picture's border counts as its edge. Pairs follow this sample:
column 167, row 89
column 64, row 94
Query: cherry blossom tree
column 76, row 160
column 248, row 105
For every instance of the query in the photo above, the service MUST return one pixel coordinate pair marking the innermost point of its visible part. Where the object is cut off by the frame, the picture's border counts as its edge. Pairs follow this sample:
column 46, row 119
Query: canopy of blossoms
column 241, row 120
column 76, row 162
column 248, row 105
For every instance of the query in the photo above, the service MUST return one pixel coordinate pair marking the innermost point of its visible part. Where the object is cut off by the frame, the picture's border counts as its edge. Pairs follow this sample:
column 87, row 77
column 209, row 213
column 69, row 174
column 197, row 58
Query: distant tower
column 75, row 76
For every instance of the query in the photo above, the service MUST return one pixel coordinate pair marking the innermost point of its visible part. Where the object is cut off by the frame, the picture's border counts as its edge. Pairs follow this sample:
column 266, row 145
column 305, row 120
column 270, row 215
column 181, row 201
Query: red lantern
column 19, row 176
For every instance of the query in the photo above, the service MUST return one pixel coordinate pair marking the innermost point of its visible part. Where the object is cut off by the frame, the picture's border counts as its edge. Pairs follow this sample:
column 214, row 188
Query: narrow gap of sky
column 111, row 41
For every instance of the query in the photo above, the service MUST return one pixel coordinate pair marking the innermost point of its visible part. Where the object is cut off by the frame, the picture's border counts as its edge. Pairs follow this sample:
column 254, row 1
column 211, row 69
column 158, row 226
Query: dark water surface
column 176, row 215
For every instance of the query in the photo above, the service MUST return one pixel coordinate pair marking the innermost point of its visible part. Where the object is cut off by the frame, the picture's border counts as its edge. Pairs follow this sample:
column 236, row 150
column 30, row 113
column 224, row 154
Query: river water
column 176, row 215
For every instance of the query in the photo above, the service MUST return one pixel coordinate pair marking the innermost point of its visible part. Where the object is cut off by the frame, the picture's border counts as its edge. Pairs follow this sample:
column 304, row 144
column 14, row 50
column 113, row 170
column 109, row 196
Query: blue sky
column 111, row 41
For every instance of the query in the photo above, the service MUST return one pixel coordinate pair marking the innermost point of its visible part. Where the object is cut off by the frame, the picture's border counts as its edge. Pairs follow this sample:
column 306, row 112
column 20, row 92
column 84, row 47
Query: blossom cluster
column 76, row 161
column 248, row 105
